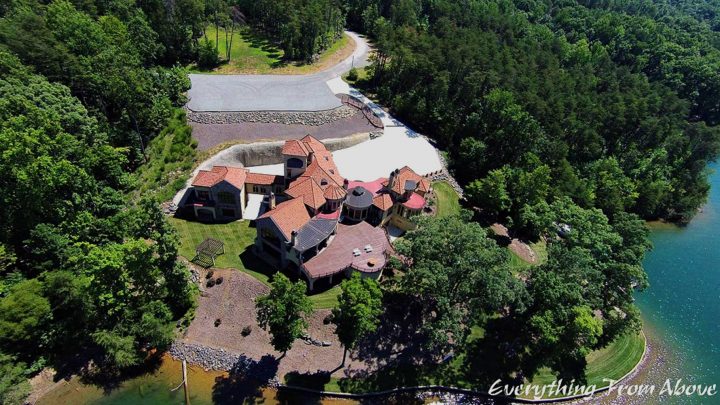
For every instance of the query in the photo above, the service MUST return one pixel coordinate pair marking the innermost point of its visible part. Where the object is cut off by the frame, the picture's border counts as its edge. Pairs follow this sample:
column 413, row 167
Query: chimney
column 391, row 179
column 293, row 237
column 346, row 184
column 272, row 200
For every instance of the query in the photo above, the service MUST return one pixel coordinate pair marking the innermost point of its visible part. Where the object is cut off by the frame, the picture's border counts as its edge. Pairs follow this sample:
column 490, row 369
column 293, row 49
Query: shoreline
column 651, row 369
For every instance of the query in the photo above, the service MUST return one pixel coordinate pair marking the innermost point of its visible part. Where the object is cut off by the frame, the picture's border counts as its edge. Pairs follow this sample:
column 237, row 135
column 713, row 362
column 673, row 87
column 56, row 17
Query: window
column 323, row 182
column 295, row 163
column 202, row 194
column 226, row 198
column 268, row 235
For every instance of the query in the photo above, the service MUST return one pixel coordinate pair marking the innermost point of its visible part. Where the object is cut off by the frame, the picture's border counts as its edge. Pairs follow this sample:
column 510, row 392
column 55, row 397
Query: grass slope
column 448, row 201
column 611, row 362
column 251, row 53
column 238, row 237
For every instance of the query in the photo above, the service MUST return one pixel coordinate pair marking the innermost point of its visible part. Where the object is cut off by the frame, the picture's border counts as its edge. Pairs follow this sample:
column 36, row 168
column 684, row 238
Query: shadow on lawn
column 245, row 380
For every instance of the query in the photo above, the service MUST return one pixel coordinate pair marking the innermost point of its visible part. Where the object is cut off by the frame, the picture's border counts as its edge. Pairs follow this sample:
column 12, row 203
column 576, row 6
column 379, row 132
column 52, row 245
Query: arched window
column 295, row 163
column 323, row 182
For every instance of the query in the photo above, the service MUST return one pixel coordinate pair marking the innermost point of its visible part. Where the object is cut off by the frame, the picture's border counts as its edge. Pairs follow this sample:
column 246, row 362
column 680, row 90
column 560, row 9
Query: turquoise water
column 683, row 301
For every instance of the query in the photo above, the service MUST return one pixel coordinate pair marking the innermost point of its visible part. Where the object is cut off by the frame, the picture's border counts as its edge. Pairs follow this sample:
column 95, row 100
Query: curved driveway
column 273, row 92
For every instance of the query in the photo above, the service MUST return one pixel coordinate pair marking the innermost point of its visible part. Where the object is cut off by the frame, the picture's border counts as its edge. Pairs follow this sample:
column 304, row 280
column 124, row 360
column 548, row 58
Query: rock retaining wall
column 311, row 118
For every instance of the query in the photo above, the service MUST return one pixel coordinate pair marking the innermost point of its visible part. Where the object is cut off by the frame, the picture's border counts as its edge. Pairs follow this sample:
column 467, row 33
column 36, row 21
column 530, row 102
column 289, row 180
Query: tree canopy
column 358, row 310
column 283, row 312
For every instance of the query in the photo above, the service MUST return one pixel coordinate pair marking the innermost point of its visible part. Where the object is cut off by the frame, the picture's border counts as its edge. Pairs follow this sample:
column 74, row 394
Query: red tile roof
column 405, row 174
column 288, row 216
column 308, row 190
column 293, row 147
column 372, row 186
column 209, row 178
column 263, row 179
column 415, row 202
column 383, row 201
column 334, row 192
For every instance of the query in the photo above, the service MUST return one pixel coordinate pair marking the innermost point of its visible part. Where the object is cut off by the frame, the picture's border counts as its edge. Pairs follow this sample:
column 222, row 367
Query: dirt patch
column 210, row 135
column 233, row 302
column 517, row 246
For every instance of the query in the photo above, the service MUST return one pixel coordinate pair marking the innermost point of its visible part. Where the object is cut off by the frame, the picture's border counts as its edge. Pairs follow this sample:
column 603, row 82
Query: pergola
column 208, row 249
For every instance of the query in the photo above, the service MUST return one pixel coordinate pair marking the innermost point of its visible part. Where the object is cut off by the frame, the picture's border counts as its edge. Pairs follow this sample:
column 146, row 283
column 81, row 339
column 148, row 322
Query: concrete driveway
column 273, row 92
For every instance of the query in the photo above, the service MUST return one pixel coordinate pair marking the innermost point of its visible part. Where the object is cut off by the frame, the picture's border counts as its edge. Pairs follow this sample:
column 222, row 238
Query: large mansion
column 312, row 219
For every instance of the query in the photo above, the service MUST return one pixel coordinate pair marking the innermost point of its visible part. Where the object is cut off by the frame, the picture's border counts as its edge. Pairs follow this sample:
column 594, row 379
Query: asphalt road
column 273, row 92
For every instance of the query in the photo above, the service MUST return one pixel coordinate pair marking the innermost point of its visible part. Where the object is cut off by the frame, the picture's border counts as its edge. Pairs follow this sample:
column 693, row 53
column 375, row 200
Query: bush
column 246, row 331
column 352, row 75
column 217, row 322
column 207, row 55
column 210, row 282
column 209, row 274
column 219, row 280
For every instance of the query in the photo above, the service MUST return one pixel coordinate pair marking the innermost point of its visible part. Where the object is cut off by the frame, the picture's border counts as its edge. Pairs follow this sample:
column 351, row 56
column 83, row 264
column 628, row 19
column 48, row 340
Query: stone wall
column 311, row 118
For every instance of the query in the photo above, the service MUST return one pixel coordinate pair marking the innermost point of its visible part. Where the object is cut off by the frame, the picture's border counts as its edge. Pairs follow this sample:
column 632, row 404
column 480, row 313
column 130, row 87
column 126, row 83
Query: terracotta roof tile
column 288, row 216
column 263, row 179
column 383, row 201
column 309, row 191
column 209, row 178
column 405, row 174
column 293, row 147
column 334, row 192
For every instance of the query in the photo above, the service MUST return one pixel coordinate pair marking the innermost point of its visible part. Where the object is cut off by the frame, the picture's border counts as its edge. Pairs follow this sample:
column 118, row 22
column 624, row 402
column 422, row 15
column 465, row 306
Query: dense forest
column 613, row 104
column 85, row 87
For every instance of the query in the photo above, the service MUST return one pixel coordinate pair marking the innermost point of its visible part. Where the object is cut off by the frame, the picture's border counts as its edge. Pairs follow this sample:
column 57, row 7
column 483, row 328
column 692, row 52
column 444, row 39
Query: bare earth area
column 233, row 302
column 211, row 135
column 517, row 246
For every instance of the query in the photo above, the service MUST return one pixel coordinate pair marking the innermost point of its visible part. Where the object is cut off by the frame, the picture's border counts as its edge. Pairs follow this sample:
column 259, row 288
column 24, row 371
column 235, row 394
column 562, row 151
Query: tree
column 458, row 276
column 283, row 312
column 24, row 314
column 359, row 306
column 208, row 55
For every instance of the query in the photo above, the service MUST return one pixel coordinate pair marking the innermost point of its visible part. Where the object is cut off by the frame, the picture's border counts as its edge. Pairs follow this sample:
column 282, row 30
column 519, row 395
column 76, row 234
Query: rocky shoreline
column 207, row 357
column 310, row 118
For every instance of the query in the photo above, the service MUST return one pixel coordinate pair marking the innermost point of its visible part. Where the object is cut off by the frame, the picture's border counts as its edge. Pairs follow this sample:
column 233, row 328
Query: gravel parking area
column 233, row 302
column 210, row 135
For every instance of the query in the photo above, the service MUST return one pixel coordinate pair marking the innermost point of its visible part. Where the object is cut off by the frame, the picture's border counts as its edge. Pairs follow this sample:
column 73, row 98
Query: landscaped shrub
column 210, row 282
column 219, row 280
column 209, row 274
column 246, row 331
column 207, row 55
column 352, row 74
column 217, row 322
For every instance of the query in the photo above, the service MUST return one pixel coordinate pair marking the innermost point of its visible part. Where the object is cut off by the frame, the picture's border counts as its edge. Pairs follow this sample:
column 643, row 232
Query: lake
column 683, row 302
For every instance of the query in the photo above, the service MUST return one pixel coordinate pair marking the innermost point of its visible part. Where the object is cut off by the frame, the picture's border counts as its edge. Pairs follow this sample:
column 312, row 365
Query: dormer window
column 323, row 182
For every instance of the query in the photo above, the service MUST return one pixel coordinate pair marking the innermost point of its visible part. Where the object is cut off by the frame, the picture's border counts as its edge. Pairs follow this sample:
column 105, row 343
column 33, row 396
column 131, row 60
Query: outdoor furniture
column 207, row 251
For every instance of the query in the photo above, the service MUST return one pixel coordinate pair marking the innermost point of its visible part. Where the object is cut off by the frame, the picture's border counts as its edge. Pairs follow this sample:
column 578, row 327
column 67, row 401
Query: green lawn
column 252, row 53
column 611, row 362
column 238, row 238
column 448, row 201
